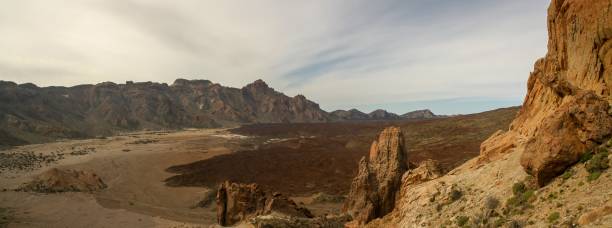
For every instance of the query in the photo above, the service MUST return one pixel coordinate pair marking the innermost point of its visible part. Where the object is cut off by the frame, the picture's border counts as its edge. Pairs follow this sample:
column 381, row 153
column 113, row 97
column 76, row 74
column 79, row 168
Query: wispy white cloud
column 340, row 53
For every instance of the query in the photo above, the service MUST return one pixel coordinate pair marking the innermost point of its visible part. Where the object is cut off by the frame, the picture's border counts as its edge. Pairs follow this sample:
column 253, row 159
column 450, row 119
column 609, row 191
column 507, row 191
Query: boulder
column 580, row 123
column 241, row 202
column 373, row 190
column 237, row 202
column 427, row 170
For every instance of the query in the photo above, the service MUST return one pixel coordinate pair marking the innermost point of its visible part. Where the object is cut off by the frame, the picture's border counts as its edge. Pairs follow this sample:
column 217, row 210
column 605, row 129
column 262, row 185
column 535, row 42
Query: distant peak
column 183, row 82
column 259, row 83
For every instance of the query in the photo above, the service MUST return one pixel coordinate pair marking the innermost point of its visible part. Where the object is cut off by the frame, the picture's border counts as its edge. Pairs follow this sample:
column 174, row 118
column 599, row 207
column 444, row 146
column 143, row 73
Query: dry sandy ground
column 136, row 195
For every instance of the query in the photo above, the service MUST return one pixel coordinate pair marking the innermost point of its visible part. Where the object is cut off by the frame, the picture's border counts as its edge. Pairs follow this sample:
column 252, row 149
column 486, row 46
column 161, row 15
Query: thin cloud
column 339, row 53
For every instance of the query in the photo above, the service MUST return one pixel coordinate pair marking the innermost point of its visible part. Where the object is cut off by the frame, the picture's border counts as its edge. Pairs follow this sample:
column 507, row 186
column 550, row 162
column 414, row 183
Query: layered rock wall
column 567, row 107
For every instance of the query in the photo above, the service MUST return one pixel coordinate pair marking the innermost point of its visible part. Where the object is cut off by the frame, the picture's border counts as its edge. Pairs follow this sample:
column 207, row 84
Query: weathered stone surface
column 272, row 220
column 427, row 170
column 564, row 136
column 240, row 202
column 237, row 202
column 374, row 189
column 65, row 180
column 107, row 108
column 567, row 107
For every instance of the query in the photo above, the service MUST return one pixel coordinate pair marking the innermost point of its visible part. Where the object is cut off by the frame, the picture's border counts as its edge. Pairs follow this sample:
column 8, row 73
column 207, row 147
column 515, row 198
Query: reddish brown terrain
column 305, row 158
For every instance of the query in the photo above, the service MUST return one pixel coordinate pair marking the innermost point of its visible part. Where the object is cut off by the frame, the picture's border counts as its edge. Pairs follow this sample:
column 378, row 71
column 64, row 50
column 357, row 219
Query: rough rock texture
column 58, row 180
column 352, row 114
column 419, row 114
column 272, row 220
column 566, row 112
column 427, row 170
column 374, row 189
column 567, row 108
column 380, row 114
column 240, row 202
column 33, row 114
column 237, row 202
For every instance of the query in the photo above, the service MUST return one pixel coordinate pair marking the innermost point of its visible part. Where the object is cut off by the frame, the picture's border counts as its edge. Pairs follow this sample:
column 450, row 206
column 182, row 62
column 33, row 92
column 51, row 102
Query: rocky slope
column 32, row 114
column 551, row 168
column 380, row 114
column 352, row 114
column 419, row 114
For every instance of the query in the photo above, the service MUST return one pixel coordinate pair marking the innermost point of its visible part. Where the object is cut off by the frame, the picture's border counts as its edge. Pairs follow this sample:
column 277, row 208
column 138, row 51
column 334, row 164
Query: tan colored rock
column 427, row 170
column 567, row 134
column 594, row 215
column 240, row 202
column 377, row 183
column 65, row 180
column 567, row 107
column 237, row 202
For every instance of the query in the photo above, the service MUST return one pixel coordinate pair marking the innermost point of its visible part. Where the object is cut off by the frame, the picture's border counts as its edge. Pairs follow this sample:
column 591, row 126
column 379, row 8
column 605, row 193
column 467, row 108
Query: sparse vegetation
column 553, row 217
column 586, row 156
column 455, row 194
column 597, row 164
column 567, row 174
column 521, row 199
column 491, row 202
column 462, row 220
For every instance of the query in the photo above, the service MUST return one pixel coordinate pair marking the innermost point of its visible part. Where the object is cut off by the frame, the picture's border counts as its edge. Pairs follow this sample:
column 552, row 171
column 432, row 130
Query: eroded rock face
column 374, row 189
column 427, row 170
column 567, row 108
column 65, row 180
column 107, row 108
column 564, row 136
column 237, row 202
column 240, row 202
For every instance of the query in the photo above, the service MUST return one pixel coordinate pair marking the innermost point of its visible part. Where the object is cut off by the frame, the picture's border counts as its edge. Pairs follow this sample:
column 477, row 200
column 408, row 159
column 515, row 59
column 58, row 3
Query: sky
column 400, row 55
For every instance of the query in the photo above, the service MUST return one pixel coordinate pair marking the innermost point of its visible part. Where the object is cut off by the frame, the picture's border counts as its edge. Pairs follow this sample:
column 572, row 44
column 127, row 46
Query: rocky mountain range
column 380, row 114
column 30, row 114
column 33, row 114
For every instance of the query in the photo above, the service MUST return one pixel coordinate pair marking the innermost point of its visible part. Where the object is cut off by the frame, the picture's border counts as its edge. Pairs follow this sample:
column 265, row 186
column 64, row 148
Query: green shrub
column 567, row 174
column 518, row 188
column 520, row 200
column 593, row 176
column 553, row 217
column 597, row 164
column 462, row 220
column 586, row 156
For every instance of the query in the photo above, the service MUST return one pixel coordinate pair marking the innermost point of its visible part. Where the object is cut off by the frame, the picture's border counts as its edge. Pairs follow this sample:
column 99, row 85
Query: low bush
column 553, row 217
column 597, row 164
column 491, row 202
column 520, row 200
column 462, row 220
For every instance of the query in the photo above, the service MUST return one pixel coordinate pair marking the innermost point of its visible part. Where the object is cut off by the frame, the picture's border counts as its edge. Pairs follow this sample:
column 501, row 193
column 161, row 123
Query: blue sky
column 447, row 55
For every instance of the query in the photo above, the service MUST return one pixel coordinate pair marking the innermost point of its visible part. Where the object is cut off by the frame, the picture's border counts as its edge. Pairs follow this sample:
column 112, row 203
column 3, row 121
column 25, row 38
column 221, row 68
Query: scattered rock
column 67, row 180
column 373, row 191
column 240, row 202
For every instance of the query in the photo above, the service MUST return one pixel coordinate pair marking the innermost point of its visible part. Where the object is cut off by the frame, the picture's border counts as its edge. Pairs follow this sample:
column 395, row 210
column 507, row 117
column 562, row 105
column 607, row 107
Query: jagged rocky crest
column 567, row 108
column 373, row 191
column 32, row 114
